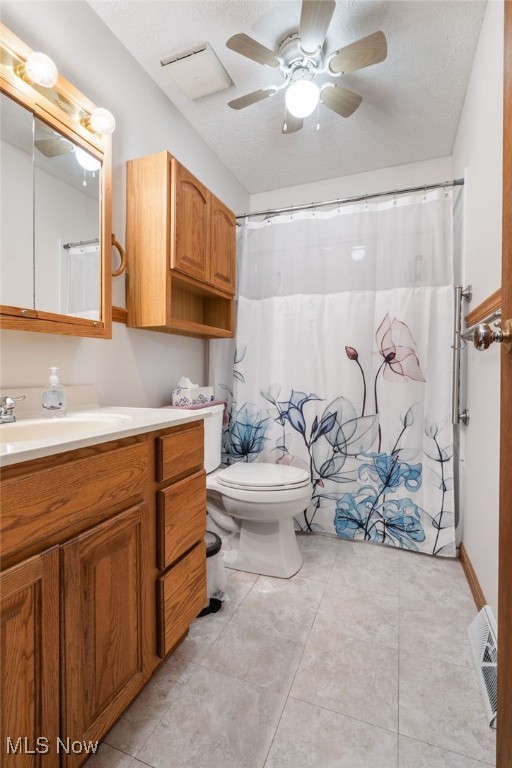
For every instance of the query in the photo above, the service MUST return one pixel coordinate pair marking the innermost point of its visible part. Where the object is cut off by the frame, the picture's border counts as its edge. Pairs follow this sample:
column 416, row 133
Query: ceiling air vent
column 198, row 71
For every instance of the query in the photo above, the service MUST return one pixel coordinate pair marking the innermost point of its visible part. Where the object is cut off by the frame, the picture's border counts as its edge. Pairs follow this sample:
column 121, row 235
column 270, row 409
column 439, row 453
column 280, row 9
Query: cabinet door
column 30, row 663
column 190, row 233
column 222, row 246
column 105, row 596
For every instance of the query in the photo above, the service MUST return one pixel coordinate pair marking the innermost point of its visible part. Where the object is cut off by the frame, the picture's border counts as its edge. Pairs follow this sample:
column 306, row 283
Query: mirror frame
column 68, row 112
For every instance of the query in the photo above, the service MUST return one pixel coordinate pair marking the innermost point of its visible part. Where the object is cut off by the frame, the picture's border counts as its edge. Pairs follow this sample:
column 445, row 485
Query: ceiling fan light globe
column 302, row 98
column 87, row 161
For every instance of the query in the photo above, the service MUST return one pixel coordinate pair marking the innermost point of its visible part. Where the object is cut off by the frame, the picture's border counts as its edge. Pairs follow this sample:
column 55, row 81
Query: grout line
column 344, row 714
column 128, row 754
column 444, row 749
column 295, row 674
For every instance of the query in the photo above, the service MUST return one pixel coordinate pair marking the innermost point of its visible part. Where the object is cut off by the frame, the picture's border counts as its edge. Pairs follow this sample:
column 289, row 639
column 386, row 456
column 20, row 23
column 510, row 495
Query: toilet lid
column 261, row 476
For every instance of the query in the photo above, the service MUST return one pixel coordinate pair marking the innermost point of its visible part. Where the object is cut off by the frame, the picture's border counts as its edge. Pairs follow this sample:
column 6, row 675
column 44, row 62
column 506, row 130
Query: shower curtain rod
column 356, row 199
column 95, row 241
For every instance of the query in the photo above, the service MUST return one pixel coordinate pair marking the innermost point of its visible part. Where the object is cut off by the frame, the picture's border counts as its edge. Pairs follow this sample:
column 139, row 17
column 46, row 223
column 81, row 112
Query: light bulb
column 301, row 98
column 41, row 70
column 102, row 121
column 87, row 161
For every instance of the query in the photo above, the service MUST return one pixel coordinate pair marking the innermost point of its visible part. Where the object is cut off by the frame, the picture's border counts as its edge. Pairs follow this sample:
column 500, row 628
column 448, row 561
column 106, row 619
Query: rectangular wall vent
column 482, row 635
column 198, row 71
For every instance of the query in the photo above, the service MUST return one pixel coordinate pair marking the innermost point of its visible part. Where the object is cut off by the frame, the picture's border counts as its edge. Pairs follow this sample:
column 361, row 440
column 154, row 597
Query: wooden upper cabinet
column 222, row 246
column 180, row 247
column 30, row 662
column 105, row 604
column 190, row 235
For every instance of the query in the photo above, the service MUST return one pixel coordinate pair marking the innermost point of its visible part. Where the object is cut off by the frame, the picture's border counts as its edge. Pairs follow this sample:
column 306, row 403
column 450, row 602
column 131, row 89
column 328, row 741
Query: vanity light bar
column 40, row 70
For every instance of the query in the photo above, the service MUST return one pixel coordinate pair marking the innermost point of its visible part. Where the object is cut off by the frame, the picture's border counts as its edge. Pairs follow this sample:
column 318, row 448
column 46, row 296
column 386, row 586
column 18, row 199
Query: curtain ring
column 394, row 194
column 366, row 200
column 425, row 194
column 445, row 192
column 339, row 204
column 122, row 266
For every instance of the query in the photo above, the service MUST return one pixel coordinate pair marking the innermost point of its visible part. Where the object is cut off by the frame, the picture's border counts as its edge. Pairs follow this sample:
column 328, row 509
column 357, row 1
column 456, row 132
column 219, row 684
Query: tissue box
column 195, row 396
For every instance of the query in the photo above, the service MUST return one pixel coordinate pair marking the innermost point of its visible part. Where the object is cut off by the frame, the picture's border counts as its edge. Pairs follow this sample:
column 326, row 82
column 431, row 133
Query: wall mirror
column 55, row 238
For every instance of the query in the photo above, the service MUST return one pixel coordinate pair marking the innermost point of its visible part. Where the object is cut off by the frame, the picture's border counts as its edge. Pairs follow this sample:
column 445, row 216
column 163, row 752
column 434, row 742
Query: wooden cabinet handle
column 122, row 266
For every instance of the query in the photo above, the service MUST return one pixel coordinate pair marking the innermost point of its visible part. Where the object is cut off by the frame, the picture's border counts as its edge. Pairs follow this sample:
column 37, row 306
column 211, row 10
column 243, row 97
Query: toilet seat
column 260, row 476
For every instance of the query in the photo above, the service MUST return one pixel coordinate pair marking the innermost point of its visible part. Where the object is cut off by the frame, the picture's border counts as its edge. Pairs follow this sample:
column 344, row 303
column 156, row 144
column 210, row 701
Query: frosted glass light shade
column 301, row 98
column 87, row 161
column 41, row 70
column 102, row 121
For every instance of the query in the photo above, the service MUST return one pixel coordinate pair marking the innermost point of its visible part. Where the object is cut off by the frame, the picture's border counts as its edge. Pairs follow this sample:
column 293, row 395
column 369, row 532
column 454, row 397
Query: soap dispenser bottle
column 53, row 398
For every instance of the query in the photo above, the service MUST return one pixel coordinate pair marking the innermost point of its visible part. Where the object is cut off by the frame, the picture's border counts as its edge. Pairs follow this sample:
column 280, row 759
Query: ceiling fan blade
column 363, row 53
column 251, row 98
column 315, row 17
column 340, row 99
column 53, row 147
column 251, row 49
column 291, row 123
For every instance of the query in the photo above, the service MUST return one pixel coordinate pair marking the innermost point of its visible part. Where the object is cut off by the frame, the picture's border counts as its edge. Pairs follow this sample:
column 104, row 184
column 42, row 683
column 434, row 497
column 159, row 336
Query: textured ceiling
column 411, row 102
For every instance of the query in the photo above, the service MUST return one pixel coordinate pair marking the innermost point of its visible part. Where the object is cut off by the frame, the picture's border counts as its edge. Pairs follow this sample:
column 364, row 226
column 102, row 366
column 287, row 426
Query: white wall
column 477, row 153
column 396, row 177
column 135, row 367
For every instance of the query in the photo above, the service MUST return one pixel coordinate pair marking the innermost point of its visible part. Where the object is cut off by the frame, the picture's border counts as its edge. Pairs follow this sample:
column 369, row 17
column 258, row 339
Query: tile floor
column 359, row 661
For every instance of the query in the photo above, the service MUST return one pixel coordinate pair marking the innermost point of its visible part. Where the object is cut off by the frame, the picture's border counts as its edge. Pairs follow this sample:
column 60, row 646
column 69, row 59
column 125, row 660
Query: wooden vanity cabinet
column 29, row 680
column 180, row 244
column 88, row 570
column 104, row 619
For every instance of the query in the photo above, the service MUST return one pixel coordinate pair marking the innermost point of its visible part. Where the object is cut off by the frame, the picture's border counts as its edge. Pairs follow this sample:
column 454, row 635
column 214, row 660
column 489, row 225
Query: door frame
column 504, row 722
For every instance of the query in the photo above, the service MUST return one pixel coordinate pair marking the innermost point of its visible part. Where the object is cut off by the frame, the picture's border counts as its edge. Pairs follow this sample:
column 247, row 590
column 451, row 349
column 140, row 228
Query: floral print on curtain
column 374, row 490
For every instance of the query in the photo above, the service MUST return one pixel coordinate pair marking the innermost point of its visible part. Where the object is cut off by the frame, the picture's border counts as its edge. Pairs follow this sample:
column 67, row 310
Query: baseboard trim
column 474, row 585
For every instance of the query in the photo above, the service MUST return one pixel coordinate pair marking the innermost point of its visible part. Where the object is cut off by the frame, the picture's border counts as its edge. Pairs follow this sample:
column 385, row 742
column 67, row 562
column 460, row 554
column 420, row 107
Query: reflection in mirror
column 17, row 192
column 67, row 258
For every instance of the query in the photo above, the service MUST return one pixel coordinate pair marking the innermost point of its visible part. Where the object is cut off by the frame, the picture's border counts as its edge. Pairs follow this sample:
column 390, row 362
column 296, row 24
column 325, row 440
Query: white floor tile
column 441, row 704
column 416, row 754
column 329, row 637
column 311, row 737
column 371, row 616
column 217, row 722
column 351, row 677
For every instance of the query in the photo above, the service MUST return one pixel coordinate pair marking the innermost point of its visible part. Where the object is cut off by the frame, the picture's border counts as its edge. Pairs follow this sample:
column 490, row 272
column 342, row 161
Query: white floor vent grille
column 482, row 634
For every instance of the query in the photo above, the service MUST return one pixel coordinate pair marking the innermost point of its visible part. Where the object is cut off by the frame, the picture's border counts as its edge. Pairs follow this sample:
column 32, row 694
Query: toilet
column 251, row 505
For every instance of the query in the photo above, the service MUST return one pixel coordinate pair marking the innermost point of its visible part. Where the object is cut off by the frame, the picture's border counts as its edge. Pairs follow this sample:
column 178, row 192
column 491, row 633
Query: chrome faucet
column 7, row 406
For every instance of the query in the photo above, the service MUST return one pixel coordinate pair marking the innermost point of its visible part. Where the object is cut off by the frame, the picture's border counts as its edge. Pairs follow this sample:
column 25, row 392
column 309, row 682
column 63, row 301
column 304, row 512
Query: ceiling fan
column 300, row 59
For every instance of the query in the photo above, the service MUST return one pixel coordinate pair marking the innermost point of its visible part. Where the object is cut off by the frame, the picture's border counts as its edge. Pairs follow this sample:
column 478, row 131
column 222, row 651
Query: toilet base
column 269, row 549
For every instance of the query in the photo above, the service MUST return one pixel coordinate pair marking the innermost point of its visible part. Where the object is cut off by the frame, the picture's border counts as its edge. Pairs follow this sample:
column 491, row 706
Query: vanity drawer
column 181, row 517
column 47, row 505
column 180, row 452
column 181, row 595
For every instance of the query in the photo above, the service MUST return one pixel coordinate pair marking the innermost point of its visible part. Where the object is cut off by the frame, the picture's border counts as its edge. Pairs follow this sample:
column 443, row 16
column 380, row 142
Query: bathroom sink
column 65, row 427
column 28, row 439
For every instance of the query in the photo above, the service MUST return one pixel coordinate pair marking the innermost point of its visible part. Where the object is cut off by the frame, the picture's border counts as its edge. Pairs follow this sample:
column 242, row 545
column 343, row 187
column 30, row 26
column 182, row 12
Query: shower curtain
column 81, row 277
column 342, row 365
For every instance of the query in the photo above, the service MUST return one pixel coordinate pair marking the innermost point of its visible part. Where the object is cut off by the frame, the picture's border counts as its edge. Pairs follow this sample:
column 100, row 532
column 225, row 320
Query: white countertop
column 29, row 439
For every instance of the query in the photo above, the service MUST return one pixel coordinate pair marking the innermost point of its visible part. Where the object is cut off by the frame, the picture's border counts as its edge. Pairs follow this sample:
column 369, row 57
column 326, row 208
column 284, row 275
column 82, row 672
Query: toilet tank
column 213, row 436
